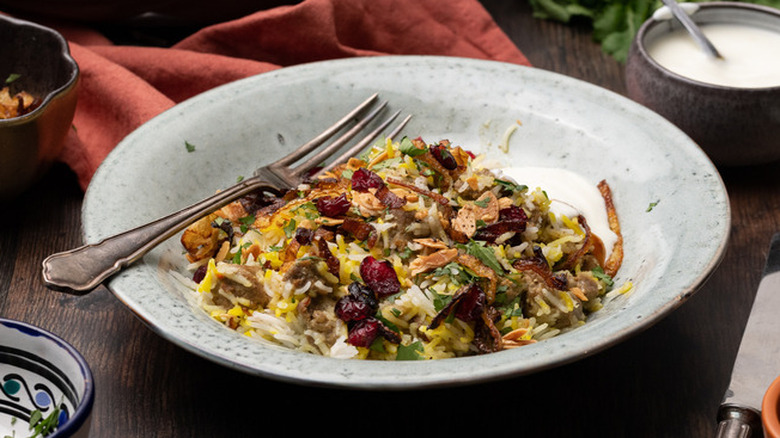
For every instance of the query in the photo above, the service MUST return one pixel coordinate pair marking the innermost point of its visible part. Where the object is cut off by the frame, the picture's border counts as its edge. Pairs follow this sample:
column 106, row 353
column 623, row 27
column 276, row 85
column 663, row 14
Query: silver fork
column 82, row 269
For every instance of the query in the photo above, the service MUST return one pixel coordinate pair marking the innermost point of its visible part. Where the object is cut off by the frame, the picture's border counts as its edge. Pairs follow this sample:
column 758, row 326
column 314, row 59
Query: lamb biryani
column 410, row 251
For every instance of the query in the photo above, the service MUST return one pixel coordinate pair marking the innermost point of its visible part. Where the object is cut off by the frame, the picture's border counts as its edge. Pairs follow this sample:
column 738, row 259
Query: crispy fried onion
column 483, row 271
column 302, row 237
column 360, row 230
column 594, row 245
column 615, row 260
column 539, row 266
column 429, row 262
column 469, row 304
column 440, row 199
column 321, row 238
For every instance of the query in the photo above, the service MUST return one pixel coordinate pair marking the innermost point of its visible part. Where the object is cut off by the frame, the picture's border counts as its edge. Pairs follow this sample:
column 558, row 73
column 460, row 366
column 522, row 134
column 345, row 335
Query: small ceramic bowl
column 734, row 126
column 40, row 374
column 770, row 410
column 34, row 59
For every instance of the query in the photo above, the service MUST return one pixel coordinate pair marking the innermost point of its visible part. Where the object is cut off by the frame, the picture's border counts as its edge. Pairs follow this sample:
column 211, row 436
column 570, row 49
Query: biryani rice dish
column 411, row 251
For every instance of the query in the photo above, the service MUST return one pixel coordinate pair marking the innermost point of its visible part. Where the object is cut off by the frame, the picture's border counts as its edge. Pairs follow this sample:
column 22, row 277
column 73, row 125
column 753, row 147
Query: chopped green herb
column 246, row 221
column 482, row 203
column 190, row 147
column 652, row 206
column 347, row 173
column 240, row 178
column 509, row 185
column 290, row 227
column 378, row 345
column 406, row 253
column 458, row 274
column 407, row 147
column 12, row 77
column 614, row 23
column 484, row 254
column 599, row 273
column 412, row 351
column 43, row 426
column 439, row 301
column 389, row 163
column 308, row 209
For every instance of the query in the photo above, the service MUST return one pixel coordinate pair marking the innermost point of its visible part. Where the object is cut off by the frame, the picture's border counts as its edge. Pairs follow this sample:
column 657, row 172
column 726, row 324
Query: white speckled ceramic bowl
column 41, row 372
column 672, row 203
column 734, row 126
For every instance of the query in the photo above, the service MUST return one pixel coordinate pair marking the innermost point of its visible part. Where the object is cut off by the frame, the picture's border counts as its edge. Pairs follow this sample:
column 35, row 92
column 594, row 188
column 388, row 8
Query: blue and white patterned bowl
column 41, row 372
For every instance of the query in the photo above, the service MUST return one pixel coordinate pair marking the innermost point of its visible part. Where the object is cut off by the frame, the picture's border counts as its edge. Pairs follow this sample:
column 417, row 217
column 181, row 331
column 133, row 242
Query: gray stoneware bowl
column 673, row 238
column 42, row 375
column 39, row 58
column 734, row 126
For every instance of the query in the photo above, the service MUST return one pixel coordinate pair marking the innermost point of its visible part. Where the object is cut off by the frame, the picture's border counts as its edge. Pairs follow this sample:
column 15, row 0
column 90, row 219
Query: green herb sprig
column 614, row 22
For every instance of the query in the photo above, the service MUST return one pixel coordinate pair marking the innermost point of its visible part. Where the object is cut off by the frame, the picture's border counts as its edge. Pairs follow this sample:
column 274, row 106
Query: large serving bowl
column 671, row 201
column 40, row 373
column 734, row 126
column 40, row 59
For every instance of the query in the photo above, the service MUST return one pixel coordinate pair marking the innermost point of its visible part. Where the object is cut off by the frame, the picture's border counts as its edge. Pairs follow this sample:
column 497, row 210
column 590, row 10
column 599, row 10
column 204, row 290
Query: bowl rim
column 83, row 411
column 65, row 56
column 651, row 22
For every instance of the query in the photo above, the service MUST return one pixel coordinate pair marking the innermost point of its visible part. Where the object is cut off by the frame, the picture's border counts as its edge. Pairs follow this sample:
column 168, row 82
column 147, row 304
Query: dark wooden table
column 664, row 382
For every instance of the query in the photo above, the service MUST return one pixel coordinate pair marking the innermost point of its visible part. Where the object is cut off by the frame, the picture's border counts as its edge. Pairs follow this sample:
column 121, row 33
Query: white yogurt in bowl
column 730, row 108
column 751, row 55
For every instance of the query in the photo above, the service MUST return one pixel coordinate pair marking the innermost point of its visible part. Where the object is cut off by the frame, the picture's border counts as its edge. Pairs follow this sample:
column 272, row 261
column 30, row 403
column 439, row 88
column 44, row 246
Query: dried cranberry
column 303, row 235
column 471, row 304
column 257, row 200
column 443, row 156
column 363, row 293
column 199, row 273
column 350, row 308
column 512, row 213
column 468, row 303
column 379, row 276
column 364, row 179
column 364, row 332
column 511, row 219
column 333, row 207
column 361, row 303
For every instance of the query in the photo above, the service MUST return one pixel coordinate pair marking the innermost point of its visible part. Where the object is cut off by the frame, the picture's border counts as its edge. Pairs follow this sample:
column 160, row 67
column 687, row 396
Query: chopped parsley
column 190, row 147
column 408, row 148
column 12, row 77
column 484, row 254
column 652, row 206
column 413, row 351
column 509, row 185
column 599, row 273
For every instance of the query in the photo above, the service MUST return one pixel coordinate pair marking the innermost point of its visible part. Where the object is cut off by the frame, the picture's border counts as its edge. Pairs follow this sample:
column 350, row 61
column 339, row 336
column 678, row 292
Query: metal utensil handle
column 82, row 269
column 738, row 422
column 691, row 27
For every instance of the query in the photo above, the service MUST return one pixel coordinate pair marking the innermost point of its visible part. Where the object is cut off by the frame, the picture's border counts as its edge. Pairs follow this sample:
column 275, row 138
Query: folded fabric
column 121, row 87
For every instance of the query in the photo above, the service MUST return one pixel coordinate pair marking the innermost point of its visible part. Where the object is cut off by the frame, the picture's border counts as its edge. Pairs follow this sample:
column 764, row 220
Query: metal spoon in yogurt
column 692, row 28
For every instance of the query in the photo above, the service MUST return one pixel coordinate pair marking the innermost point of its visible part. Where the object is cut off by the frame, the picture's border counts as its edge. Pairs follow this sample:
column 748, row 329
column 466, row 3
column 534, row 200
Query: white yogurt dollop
column 751, row 55
column 571, row 195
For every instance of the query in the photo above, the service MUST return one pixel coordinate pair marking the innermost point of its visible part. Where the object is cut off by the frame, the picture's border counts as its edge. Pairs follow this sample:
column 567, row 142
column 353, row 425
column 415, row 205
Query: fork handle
column 82, row 269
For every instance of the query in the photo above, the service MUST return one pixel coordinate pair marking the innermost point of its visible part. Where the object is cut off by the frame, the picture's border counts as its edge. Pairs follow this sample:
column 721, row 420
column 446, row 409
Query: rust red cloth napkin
column 124, row 86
